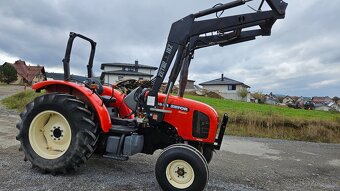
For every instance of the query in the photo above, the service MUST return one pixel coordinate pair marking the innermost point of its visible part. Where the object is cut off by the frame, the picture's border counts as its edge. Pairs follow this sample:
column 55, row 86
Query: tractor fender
column 83, row 93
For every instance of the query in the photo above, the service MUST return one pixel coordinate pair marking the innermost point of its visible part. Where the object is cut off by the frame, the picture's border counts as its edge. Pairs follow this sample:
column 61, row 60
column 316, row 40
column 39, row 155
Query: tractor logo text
column 168, row 48
column 177, row 107
column 162, row 69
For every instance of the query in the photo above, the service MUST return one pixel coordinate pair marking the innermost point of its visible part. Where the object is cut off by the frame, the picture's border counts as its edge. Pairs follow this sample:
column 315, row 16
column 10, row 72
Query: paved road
column 242, row 164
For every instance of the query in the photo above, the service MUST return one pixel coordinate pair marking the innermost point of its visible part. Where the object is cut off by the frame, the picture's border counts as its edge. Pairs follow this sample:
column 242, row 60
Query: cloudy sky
column 302, row 57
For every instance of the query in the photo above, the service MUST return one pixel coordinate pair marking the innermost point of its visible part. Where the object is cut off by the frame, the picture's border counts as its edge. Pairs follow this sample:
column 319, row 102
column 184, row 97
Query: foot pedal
column 116, row 157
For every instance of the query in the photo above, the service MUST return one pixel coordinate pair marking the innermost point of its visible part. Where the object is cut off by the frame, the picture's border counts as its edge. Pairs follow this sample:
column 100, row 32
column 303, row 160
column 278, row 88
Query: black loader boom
column 186, row 35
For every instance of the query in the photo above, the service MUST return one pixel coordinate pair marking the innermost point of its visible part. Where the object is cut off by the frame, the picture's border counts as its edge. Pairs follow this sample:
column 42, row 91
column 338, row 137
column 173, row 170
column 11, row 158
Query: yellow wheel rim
column 50, row 134
column 180, row 174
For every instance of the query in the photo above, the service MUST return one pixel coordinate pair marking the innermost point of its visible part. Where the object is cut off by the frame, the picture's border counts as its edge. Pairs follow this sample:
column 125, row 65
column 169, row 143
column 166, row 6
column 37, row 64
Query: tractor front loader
column 61, row 129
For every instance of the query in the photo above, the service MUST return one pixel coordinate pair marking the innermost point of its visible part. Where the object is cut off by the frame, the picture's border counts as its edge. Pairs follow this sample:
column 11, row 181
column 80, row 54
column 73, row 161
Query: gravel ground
column 242, row 164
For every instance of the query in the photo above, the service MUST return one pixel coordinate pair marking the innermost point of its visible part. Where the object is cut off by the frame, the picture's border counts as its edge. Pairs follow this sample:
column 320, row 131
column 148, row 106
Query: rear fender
column 83, row 93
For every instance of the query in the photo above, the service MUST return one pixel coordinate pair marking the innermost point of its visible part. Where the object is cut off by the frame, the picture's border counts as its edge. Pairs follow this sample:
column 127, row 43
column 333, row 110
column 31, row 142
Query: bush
column 8, row 74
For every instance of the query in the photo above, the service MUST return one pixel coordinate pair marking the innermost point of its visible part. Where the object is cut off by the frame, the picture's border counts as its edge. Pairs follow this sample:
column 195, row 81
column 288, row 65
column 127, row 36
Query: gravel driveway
column 242, row 164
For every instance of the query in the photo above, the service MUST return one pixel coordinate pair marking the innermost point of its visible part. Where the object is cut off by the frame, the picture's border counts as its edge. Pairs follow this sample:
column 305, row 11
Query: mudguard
column 83, row 93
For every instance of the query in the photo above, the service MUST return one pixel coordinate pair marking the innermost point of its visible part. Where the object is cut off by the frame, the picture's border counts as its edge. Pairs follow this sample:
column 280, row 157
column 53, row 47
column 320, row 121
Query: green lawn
column 262, row 120
column 19, row 100
column 238, row 107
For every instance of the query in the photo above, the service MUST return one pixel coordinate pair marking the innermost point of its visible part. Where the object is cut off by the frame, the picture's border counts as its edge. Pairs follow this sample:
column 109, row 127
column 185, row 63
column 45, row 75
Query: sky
column 300, row 58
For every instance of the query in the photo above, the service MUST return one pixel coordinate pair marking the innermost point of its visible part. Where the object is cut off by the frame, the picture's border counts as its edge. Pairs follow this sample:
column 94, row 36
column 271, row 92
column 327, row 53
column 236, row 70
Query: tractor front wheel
column 57, row 133
column 181, row 167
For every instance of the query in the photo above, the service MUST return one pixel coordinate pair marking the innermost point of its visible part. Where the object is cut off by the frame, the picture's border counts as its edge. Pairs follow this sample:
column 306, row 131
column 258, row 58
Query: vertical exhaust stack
column 222, row 77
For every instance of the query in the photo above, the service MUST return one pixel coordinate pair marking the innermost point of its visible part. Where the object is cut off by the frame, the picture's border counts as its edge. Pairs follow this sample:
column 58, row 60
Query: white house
column 288, row 100
column 115, row 72
column 227, row 88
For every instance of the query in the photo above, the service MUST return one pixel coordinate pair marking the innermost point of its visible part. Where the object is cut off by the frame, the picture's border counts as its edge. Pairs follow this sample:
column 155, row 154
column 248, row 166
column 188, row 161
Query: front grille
column 200, row 125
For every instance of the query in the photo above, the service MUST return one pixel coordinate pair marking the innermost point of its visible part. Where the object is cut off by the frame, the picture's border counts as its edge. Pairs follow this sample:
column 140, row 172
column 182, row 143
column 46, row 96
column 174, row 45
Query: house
column 190, row 85
column 27, row 74
column 227, row 88
column 115, row 72
column 301, row 102
column 271, row 99
column 288, row 100
column 324, row 108
column 321, row 100
column 334, row 106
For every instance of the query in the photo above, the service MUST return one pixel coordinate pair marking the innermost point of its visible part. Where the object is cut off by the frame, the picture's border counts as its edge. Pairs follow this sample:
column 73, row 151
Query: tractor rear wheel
column 181, row 167
column 57, row 133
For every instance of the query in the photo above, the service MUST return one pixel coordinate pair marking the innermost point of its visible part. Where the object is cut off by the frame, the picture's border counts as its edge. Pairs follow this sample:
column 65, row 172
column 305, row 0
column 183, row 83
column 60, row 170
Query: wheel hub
column 57, row 133
column 180, row 174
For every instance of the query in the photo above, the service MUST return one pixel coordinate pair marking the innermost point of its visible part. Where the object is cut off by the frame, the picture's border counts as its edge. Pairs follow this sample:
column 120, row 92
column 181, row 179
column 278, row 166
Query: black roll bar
column 66, row 60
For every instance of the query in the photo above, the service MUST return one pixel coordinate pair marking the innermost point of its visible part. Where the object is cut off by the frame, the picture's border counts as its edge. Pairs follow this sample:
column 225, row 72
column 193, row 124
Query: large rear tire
column 57, row 133
column 181, row 167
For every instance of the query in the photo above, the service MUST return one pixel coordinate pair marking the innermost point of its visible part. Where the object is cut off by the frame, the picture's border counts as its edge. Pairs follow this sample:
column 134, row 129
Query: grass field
column 19, row 100
column 251, row 119
column 262, row 120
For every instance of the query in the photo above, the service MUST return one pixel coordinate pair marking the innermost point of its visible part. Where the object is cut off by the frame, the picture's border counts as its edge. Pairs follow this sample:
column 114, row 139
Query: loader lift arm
column 186, row 35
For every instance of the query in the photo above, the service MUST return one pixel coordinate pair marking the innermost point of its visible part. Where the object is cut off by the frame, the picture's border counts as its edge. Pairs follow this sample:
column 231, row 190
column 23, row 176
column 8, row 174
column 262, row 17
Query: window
column 140, row 78
column 120, row 77
column 131, row 69
column 231, row 87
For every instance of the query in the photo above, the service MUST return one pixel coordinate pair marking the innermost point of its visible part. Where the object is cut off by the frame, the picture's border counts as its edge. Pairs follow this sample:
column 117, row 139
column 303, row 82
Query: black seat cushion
column 108, row 99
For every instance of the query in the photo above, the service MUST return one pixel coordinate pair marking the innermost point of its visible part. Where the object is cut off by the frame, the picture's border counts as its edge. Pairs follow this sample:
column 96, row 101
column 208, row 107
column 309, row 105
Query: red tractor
column 61, row 129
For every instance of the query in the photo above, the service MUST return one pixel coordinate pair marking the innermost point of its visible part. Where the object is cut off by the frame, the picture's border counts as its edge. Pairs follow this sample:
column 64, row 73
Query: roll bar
column 66, row 60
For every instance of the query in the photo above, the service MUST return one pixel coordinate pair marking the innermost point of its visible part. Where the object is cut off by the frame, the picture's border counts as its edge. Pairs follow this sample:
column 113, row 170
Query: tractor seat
column 108, row 99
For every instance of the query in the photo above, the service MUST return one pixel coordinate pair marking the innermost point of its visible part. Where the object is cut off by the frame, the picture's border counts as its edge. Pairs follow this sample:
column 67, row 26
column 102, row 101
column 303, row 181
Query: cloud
column 300, row 57
column 323, row 83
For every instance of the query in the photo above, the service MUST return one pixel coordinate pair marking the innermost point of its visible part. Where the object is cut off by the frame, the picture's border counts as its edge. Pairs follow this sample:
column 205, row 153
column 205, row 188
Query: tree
column 8, row 73
column 259, row 96
column 243, row 92
column 280, row 98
